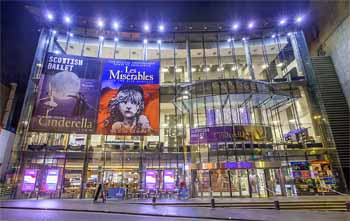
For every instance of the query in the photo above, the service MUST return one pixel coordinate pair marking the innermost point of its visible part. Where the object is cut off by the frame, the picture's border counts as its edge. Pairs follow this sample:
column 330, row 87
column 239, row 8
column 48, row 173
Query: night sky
column 19, row 28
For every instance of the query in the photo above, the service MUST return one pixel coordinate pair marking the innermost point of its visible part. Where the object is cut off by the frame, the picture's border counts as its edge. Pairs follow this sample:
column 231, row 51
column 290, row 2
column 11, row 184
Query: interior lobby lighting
column 159, row 41
column 279, row 64
column 229, row 40
column 207, row 69
column 193, row 69
column 273, row 36
column 116, row 39
column 165, row 69
column 244, row 39
column 289, row 34
column 146, row 27
column 101, row 38
column 71, row 34
column 178, row 70
column 67, row 20
column 233, row 68
column 161, row 28
column 49, row 16
column 263, row 66
column 115, row 25
column 56, row 52
column 251, row 25
column 54, row 32
column 100, row 23
column 145, row 41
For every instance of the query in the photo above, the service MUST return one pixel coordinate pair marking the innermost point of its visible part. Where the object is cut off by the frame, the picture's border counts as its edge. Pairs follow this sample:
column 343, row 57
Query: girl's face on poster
column 131, row 102
column 128, row 108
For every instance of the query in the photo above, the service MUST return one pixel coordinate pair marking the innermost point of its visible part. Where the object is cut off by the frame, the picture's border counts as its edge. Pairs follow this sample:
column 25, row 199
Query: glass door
column 204, row 183
column 274, row 180
column 260, row 174
column 235, row 183
column 254, row 182
column 243, row 179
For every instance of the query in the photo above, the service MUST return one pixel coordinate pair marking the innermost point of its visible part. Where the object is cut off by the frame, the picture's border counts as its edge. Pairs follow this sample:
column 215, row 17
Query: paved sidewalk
column 240, row 200
column 175, row 212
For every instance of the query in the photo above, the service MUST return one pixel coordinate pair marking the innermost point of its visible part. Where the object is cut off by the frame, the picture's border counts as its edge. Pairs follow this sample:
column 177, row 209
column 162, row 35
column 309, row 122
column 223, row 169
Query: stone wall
column 328, row 33
column 338, row 47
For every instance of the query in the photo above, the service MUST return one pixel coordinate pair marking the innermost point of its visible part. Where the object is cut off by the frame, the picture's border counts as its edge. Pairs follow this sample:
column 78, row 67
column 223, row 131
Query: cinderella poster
column 68, row 95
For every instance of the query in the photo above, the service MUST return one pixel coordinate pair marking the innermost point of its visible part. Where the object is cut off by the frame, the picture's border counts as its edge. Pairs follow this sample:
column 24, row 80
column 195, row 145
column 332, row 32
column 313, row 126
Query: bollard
column 212, row 201
column 153, row 200
column 347, row 206
column 277, row 204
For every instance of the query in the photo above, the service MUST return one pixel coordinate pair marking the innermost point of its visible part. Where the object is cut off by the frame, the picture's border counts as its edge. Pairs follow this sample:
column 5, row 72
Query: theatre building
column 228, row 111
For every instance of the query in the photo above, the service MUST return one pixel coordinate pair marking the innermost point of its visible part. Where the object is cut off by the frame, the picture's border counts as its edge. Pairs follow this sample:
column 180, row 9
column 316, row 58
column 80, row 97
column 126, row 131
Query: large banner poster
column 129, row 100
column 68, row 95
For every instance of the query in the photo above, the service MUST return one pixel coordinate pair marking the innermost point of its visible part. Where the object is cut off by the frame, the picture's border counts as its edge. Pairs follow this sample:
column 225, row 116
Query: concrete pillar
column 188, row 60
column 9, row 105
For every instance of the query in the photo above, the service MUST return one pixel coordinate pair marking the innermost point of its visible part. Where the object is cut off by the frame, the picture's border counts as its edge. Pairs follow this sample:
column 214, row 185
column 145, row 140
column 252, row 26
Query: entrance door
column 274, row 182
column 239, row 183
column 203, row 183
column 235, row 183
column 220, row 183
column 257, row 182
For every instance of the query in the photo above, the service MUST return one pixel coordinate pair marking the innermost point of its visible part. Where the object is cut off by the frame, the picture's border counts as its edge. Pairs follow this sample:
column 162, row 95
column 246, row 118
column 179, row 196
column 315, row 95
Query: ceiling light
column 115, row 26
column 299, row 19
column 49, row 16
column 283, row 21
column 251, row 25
column 146, row 27
column 100, row 23
column 67, row 19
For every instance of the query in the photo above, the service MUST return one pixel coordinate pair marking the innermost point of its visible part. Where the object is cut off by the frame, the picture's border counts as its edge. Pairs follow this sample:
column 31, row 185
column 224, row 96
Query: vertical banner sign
column 129, row 102
column 169, row 180
column 68, row 95
column 151, row 179
column 29, row 180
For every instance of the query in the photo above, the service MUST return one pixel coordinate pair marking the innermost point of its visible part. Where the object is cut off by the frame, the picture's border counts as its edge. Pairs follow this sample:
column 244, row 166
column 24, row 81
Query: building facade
column 238, row 116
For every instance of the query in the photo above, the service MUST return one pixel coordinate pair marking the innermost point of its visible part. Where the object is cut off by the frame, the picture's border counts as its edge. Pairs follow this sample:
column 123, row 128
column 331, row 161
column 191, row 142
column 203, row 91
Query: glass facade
column 236, row 120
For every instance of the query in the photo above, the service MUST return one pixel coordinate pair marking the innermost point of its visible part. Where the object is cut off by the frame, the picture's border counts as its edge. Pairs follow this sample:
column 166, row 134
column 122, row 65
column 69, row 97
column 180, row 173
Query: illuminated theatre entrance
column 222, row 116
column 233, row 137
column 243, row 182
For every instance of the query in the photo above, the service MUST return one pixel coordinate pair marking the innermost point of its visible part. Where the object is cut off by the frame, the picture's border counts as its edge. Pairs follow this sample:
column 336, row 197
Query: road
column 47, row 215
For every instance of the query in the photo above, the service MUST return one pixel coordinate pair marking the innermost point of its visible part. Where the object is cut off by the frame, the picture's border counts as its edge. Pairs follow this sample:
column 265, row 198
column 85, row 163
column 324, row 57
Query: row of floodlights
column 159, row 41
column 161, row 28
